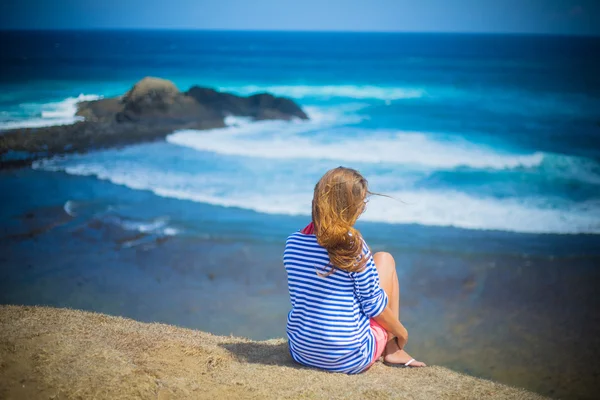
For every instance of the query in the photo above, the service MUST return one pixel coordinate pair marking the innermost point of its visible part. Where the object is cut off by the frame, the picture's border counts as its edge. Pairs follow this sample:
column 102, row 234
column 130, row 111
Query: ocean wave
column 425, row 207
column 318, row 118
column 276, row 163
column 571, row 168
column 331, row 91
column 281, row 140
column 498, row 100
column 48, row 114
column 443, row 208
column 452, row 208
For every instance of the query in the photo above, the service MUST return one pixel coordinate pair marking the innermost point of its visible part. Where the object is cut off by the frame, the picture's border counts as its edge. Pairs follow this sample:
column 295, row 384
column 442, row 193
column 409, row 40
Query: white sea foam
column 239, row 128
column 68, row 207
column 289, row 191
column 330, row 91
column 49, row 114
column 281, row 140
column 313, row 140
column 144, row 226
column 155, row 226
column 450, row 208
column 425, row 207
column 572, row 168
column 170, row 231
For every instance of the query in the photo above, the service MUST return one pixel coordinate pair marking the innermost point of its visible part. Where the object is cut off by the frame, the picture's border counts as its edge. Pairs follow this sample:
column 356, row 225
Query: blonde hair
column 339, row 199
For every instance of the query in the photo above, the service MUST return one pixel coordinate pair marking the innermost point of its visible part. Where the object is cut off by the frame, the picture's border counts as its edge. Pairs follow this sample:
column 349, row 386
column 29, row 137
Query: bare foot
column 402, row 357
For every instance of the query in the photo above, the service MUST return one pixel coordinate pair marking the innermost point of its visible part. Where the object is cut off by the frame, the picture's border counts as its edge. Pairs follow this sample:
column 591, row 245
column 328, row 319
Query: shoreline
column 65, row 353
column 514, row 308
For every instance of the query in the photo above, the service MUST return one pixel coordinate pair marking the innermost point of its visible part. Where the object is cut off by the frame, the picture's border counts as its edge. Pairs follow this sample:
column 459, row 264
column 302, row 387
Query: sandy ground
column 53, row 353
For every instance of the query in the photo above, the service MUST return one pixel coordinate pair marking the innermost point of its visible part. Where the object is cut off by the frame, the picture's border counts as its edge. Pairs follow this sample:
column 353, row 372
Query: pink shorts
column 381, row 339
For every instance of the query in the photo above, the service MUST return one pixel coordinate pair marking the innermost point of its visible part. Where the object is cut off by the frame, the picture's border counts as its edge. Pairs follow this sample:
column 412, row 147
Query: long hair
column 339, row 199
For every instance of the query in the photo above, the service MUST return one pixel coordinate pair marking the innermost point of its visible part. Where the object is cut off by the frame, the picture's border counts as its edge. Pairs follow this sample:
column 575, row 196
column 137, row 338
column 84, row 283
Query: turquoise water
column 478, row 132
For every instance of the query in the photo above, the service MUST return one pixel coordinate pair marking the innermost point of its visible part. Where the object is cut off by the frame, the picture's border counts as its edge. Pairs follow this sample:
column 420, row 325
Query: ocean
column 488, row 147
column 478, row 132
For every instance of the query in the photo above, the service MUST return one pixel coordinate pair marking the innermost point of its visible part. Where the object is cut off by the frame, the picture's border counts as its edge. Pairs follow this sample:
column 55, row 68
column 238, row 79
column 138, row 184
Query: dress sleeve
column 371, row 296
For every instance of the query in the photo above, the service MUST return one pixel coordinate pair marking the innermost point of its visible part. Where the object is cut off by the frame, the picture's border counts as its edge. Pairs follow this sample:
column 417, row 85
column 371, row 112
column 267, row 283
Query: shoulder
column 300, row 239
column 299, row 244
column 298, row 236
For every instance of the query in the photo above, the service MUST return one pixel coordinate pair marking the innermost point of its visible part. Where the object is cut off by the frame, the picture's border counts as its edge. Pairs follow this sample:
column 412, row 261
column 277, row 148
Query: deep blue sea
column 483, row 132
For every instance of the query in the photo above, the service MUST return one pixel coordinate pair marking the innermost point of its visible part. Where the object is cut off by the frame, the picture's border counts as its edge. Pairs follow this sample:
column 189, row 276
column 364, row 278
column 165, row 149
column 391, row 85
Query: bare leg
column 388, row 279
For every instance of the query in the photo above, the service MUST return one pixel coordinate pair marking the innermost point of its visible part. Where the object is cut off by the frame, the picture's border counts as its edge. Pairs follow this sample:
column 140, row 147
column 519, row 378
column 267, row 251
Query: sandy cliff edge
column 59, row 353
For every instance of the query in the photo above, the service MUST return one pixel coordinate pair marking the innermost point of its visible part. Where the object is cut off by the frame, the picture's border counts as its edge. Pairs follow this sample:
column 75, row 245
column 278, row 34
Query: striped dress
column 328, row 326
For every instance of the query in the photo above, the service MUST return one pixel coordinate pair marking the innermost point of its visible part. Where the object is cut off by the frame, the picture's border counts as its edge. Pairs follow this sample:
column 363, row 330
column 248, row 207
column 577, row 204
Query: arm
column 392, row 324
column 374, row 301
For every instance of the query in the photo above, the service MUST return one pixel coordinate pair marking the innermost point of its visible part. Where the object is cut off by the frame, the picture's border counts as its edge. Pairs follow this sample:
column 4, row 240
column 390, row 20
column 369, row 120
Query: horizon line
column 498, row 33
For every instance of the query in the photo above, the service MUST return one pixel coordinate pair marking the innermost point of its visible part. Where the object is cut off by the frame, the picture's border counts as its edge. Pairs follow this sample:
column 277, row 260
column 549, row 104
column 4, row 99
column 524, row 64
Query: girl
column 341, row 319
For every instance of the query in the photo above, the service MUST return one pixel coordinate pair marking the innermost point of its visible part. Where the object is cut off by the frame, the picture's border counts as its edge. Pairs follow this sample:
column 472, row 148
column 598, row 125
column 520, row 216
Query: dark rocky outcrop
column 259, row 106
column 150, row 110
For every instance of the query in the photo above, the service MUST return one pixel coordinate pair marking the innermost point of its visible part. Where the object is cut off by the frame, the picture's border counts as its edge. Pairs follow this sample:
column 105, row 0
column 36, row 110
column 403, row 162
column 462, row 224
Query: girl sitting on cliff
column 341, row 319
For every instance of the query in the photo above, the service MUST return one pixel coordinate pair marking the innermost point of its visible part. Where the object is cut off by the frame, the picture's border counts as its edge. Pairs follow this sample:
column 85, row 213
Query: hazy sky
column 514, row 16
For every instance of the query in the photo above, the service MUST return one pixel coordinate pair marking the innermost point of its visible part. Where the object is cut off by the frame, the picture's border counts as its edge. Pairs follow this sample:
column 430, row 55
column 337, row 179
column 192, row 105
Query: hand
column 402, row 337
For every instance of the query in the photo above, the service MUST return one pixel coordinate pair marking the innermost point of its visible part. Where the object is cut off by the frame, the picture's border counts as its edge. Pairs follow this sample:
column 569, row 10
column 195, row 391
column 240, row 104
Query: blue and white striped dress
column 328, row 326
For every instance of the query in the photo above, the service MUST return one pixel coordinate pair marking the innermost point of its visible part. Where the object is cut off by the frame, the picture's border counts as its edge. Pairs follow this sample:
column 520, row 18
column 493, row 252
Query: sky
column 579, row 17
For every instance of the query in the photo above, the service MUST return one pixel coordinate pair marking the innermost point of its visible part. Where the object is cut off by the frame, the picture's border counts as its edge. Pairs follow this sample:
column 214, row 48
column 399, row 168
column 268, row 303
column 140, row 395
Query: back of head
column 338, row 201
